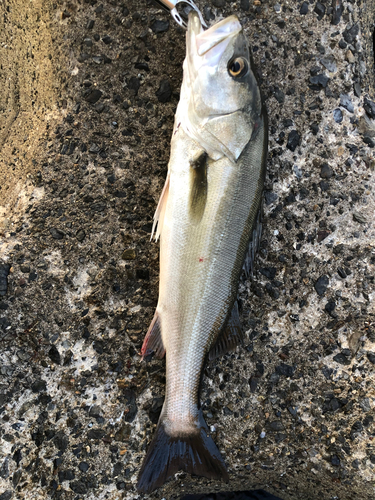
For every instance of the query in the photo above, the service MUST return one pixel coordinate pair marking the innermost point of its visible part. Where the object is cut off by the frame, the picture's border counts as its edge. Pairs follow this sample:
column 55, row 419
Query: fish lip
column 207, row 39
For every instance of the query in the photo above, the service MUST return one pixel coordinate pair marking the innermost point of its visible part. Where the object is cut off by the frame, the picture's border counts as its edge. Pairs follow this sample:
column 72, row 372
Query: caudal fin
column 196, row 454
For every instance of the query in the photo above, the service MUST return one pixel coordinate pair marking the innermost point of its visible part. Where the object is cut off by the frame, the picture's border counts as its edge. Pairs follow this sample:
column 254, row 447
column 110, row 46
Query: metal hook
column 171, row 5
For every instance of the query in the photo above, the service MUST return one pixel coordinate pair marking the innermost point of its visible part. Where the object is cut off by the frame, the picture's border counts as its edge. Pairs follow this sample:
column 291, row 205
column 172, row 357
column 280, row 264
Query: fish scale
column 206, row 217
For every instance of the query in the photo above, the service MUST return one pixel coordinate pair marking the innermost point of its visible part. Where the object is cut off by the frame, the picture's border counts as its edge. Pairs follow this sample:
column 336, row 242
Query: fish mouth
column 213, row 36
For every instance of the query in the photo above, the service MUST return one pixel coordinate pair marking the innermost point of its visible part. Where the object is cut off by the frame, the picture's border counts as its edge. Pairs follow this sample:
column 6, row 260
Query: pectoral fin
column 230, row 337
column 160, row 210
column 198, row 186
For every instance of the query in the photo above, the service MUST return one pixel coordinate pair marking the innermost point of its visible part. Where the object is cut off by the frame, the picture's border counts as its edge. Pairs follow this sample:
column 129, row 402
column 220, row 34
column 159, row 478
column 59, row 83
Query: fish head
column 220, row 96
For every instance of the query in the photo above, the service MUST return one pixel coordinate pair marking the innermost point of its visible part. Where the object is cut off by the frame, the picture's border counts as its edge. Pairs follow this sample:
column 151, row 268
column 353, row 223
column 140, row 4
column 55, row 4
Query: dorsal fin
column 160, row 210
column 153, row 341
column 229, row 337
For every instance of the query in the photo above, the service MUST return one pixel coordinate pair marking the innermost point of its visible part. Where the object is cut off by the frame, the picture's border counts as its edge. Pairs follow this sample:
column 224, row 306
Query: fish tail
column 195, row 453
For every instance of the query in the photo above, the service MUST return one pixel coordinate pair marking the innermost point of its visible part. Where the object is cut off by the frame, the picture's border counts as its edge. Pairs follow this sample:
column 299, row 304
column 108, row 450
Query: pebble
column 365, row 405
column 4, row 272
column 275, row 426
column 142, row 65
column 268, row 272
column 96, row 434
column 326, row 171
column 129, row 254
column 341, row 272
column 142, row 274
column 346, row 102
column 159, row 26
column 56, row 233
column 270, row 197
column 209, row 16
column 80, row 235
column 280, row 96
column 164, row 93
column 293, row 140
column 367, row 140
column 320, row 9
column 66, row 475
column 6, row 495
column 107, row 39
column 134, row 84
column 321, row 285
column 93, row 96
column 357, row 89
column 337, row 115
column 304, row 9
column 337, row 12
column 369, row 107
column 94, row 148
column 54, row 355
column 341, row 359
column 314, row 128
column 78, row 487
column 320, row 48
column 285, row 370
column 350, row 57
column 351, row 34
column 38, row 385
column 329, row 62
column 330, row 306
column 320, row 81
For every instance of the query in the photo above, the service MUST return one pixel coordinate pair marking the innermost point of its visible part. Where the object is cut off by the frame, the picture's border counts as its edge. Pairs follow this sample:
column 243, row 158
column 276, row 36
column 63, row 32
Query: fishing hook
column 171, row 6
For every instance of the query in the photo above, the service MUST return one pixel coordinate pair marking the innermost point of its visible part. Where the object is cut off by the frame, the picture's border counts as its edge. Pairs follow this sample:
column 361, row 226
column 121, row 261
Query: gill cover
column 217, row 110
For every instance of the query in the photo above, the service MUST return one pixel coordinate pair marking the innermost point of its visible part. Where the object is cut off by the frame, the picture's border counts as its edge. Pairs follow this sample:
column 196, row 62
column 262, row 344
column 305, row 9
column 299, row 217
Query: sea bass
column 207, row 215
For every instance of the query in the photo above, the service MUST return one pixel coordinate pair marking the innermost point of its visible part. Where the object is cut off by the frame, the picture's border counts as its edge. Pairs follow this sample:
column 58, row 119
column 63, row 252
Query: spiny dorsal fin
column 230, row 337
column 153, row 341
column 160, row 210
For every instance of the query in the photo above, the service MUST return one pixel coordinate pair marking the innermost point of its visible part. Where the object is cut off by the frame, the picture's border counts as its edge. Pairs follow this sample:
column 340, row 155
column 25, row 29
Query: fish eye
column 238, row 67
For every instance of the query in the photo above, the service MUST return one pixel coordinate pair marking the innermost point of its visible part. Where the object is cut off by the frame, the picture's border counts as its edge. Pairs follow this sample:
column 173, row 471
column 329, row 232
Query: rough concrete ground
column 292, row 412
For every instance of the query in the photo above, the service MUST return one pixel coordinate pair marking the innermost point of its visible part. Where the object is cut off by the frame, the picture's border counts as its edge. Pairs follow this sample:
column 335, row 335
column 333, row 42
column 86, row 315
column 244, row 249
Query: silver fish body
column 207, row 215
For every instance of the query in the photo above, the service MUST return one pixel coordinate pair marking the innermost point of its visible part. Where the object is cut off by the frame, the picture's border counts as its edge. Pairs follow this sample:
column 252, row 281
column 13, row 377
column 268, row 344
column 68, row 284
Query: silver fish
column 207, row 215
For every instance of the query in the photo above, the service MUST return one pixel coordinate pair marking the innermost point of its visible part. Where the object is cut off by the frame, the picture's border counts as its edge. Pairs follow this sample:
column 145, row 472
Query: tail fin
column 196, row 454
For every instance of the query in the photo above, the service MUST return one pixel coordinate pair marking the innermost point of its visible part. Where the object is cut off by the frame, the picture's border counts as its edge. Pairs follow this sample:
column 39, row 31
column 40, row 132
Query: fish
column 208, row 222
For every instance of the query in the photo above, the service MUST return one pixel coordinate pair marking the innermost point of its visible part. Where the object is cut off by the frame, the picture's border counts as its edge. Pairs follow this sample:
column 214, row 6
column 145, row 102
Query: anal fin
column 230, row 336
column 153, row 341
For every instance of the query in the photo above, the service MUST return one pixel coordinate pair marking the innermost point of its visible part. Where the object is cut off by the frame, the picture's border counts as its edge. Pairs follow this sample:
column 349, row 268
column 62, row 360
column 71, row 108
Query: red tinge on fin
column 153, row 341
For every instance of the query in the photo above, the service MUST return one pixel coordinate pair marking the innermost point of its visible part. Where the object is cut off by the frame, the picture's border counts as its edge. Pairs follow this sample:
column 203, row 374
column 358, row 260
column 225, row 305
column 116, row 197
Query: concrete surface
column 89, row 91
